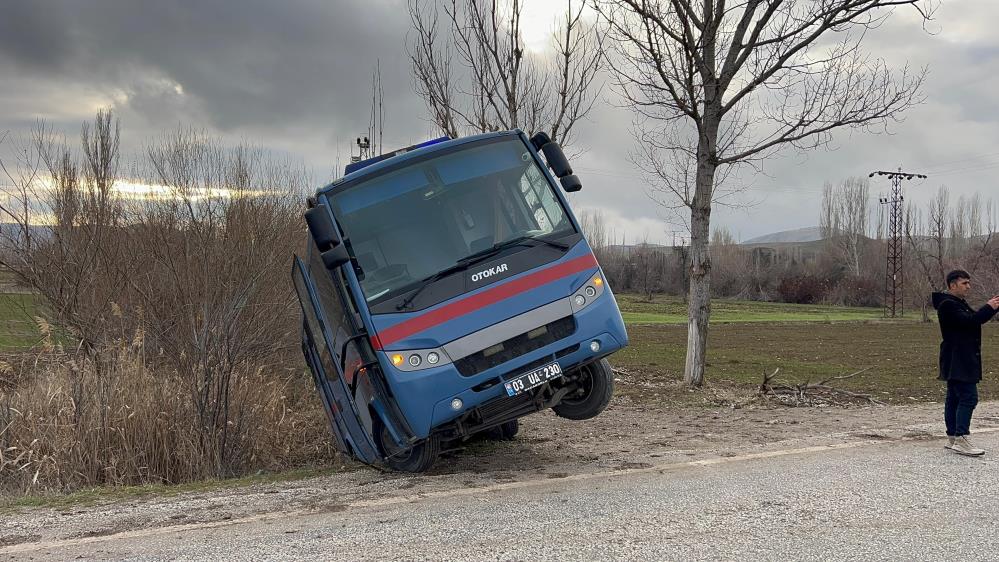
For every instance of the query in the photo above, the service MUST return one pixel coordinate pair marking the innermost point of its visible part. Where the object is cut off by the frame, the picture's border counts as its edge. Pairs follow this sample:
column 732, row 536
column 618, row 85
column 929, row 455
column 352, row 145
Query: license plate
column 537, row 377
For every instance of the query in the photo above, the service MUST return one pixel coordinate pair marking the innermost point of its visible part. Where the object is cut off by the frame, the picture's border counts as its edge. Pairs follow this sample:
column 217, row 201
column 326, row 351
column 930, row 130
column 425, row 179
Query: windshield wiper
column 518, row 241
column 472, row 259
column 428, row 281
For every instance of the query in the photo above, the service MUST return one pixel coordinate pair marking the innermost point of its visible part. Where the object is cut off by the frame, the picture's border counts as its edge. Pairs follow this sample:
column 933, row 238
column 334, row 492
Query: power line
column 973, row 158
column 965, row 170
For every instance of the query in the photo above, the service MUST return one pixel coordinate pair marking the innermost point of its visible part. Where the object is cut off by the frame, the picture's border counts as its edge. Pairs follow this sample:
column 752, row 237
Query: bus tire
column 597, row 382
column 509, row 430
column 418, row 458
column 504, row 431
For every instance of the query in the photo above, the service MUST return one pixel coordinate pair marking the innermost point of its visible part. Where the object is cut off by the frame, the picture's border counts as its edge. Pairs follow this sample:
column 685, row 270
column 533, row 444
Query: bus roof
column 372, row 166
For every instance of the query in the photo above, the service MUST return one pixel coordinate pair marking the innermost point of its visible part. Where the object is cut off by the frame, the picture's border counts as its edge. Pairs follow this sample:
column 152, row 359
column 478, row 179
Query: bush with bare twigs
column 69, row 424
column 181, row 327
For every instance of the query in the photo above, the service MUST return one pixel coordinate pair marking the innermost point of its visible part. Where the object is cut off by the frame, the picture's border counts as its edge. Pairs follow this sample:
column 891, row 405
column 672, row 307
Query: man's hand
column 994, row 303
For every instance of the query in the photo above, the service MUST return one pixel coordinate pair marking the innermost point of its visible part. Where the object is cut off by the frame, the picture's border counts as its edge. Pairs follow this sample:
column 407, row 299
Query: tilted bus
column 448, row 290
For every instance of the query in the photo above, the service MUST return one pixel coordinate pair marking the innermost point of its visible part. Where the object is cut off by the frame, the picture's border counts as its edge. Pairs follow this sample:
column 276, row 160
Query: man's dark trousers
column 962, row 397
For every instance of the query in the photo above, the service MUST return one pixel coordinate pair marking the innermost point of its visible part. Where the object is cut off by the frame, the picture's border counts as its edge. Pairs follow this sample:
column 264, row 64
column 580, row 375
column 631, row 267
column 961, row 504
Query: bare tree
column 68, row 227
column 722, row 237
column 212, row 286
column 648, row 262
column 981, row 231
column 21, row 170
column 845, row 220
column 473, row 72
column 928, row 240
column 720, row 83
column 594, row 225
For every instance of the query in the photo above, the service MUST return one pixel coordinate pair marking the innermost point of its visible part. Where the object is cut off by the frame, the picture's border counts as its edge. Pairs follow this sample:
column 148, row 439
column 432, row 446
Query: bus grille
column 516, row 346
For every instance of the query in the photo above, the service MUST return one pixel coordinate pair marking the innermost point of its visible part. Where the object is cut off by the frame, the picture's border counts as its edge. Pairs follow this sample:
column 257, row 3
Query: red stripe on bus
column 475, row 302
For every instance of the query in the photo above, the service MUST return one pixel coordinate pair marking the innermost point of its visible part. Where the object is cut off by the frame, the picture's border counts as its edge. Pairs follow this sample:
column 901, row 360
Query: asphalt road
column 908, row 500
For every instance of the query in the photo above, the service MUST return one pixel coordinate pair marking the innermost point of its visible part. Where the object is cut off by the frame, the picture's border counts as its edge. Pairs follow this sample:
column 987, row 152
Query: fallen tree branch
column 844, row 377
column 808, row 393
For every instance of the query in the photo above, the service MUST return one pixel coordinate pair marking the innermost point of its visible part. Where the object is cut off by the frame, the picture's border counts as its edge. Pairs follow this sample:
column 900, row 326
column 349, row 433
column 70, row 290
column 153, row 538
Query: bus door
column 326, row 336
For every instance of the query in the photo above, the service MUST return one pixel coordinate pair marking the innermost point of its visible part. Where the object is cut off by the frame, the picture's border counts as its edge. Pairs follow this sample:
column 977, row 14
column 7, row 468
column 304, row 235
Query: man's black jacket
column 961, row 328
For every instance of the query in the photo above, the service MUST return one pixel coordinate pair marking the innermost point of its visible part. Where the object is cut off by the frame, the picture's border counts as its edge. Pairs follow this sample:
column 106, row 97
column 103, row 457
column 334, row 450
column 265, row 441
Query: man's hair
column 956, row 275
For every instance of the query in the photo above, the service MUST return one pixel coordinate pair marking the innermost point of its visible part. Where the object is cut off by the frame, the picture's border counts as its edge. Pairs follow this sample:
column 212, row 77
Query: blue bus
column 448, row 290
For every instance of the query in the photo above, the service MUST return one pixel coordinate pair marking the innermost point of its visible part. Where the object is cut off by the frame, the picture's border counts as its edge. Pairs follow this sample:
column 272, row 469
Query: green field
column 673, row 310
column 807, row 343
column 18, row 329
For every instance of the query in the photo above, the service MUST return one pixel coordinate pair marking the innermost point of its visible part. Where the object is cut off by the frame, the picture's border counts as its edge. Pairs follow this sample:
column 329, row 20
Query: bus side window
column 329, row 300
column 538, row 193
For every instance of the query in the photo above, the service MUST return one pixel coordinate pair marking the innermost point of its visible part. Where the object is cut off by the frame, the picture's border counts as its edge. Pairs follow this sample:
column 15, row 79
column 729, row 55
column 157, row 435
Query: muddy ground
column 627, row 435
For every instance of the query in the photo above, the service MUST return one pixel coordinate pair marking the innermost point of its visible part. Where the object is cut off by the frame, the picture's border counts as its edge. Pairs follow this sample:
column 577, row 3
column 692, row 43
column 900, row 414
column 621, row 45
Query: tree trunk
column 699, row 295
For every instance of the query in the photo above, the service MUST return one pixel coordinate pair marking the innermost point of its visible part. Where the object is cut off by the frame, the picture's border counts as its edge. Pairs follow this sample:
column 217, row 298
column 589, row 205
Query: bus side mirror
column 571, row 183
column 327, row 239
column 557, row 161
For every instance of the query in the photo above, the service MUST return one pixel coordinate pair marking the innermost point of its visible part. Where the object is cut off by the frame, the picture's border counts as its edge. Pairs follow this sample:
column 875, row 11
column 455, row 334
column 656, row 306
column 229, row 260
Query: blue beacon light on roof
column 354, row 166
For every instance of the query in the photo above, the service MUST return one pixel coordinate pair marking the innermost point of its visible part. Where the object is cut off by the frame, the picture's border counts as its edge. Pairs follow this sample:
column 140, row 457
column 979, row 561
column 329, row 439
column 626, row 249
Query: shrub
column 64, row 426
column 857, row 291
column 179, row 308
column 802, row 289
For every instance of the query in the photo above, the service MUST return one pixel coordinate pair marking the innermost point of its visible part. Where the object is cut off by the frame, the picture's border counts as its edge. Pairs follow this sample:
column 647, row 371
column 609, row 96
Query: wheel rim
column 585, row 385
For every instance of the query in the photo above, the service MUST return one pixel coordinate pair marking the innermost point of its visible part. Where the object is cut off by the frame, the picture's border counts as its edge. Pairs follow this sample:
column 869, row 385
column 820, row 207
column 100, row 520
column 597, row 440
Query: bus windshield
column 408, row 224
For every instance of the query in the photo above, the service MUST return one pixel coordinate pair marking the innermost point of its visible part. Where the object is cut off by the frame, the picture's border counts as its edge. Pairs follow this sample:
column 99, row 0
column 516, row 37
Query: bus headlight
column 418, row 359
column 588, row 293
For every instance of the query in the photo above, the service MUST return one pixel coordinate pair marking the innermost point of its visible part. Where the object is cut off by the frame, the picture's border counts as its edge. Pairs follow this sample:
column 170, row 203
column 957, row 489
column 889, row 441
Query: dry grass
column 64, row 428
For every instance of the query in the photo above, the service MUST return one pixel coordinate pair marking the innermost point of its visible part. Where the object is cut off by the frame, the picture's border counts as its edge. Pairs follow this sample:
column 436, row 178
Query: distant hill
column 810, row 234
column 633, row 247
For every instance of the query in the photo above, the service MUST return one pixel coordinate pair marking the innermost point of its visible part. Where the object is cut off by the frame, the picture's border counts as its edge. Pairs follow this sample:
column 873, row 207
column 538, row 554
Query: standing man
column 961, row 357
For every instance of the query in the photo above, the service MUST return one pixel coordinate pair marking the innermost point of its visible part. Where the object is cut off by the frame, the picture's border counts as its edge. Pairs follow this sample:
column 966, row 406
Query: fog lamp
column 456, row 404
column 594, row 346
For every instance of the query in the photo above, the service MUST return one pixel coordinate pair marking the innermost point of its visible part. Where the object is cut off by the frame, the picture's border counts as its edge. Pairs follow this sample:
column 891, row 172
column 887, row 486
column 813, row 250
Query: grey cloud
column 33, row 37
column 295, row 76
column 255, row 64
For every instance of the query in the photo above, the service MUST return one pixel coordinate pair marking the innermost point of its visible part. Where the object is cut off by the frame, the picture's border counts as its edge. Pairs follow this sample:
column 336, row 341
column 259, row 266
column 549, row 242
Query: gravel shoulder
column 627, row 436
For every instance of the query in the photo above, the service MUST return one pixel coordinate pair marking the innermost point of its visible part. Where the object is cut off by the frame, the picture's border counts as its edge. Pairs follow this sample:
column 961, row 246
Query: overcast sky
column 294, row 76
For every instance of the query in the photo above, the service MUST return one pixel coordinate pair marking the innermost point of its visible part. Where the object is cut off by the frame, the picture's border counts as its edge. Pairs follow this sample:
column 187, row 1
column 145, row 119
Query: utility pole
column 894, row 268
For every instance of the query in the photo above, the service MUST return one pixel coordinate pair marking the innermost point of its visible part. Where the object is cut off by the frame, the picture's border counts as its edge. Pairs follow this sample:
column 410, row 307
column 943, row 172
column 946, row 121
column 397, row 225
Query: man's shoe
column 964, row 447
column 950, row 442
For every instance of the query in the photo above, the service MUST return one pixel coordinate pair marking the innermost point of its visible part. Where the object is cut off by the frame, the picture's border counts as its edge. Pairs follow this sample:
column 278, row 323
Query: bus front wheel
column 596, row 386
column 418, row 458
